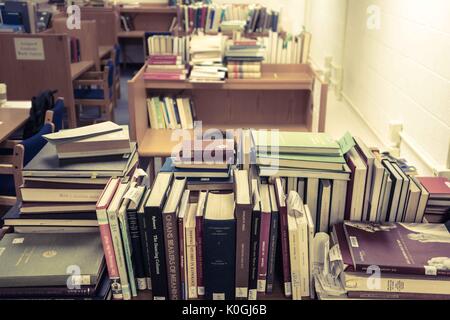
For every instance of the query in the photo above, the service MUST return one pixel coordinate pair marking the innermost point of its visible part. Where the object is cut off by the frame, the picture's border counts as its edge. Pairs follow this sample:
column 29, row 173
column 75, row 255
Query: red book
column 264, row 237
column 203, row 17
column 105, row 233
column 437, row 187
column 163, row 76
column 191, row 20
column 282, row 208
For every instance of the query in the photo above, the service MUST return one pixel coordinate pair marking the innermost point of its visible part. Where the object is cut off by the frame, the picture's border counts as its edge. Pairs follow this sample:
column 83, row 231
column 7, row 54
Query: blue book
column 219, row 249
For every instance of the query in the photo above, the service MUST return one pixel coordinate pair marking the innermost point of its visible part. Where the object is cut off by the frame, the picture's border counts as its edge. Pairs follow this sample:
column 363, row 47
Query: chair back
column 33, row 145
column 118, row 53
column 58, row 114
column 110, row 65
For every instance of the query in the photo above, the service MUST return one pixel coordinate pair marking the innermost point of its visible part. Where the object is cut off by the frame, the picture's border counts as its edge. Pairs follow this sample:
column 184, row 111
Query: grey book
column 45, row 260
column 47, row 164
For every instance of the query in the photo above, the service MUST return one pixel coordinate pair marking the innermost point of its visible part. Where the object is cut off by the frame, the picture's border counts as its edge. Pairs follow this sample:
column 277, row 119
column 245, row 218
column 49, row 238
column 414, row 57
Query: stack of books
column 394, row 260
column 244, row 58
column 311, row 164
column 205, row 164
column 171, row 112
column 60, row 193
column 206, row 53
column 165, row 67
column 163, row 43
column 438, row 206
column 53, row 266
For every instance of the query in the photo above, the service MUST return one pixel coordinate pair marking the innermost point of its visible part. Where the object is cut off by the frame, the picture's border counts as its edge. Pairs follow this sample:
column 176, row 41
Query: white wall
column 401, row 72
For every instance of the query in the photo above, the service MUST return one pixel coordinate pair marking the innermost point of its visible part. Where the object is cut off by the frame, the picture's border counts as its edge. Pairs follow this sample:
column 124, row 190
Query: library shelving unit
column 284, row 99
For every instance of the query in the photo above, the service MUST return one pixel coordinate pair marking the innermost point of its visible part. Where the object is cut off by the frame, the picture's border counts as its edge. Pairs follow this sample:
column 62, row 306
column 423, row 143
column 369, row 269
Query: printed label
column 218, row 296
column 252, row 294
column 431, row 270
column 241, row 292
column 18, row 241
column 288, row 289
column 354, row 242
column 29, row 49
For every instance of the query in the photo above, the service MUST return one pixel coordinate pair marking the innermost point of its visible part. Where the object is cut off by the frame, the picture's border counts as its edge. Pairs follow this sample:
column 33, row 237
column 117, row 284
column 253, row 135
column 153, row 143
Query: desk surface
column 78, row 68
column 11, row 119
column 103, row 51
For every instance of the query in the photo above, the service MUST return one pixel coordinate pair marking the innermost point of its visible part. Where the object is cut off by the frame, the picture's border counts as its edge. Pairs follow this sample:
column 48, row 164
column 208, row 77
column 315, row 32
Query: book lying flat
column 195, row 173
column 47, row 164
column 83, row 132
column 301, row 161
column 55, row 207
column 44, row 259
column 305, row 173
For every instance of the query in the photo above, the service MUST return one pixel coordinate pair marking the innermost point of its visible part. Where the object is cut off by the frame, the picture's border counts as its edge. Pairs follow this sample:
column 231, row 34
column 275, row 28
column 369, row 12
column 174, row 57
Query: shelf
column 156, row 9
column 131, row 34
column 162, row 142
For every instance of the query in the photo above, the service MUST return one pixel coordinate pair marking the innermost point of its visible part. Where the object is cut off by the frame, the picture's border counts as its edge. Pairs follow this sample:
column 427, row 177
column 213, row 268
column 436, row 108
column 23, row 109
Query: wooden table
column 78, row 68
column 104, row 51
column 11, row 119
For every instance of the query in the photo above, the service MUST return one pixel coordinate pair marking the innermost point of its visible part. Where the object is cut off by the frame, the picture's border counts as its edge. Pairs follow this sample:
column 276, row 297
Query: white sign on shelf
column 29, row 49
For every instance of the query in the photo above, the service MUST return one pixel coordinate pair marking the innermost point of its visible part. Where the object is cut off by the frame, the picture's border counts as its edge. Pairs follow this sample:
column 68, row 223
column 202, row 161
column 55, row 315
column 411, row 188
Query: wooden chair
column 11, row 166
column 95, row 89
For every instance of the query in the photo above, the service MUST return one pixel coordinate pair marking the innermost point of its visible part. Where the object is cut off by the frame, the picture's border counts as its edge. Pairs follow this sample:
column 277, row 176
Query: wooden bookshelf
column 148, row 8
column 282, row 99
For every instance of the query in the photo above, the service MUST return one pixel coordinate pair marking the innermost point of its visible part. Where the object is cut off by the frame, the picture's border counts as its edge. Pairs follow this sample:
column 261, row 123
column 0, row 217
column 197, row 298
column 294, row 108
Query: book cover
column 273, row 242
column 264, row 238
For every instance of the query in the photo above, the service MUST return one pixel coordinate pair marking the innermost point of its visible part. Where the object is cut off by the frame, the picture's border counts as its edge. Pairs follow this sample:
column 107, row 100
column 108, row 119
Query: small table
column 78, row 68
column 11, row 119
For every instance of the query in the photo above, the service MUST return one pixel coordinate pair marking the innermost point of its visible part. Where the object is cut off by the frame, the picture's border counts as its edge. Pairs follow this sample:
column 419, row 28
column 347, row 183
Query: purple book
column 402, row 248
column 199, row 254
column 264, row 238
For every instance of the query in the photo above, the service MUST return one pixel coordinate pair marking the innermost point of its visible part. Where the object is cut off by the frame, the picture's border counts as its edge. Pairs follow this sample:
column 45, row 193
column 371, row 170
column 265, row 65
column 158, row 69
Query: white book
column 151, row 109
column 301, row 186
column 113, row 211
column 279, row 50
column 312, row 193
column 294, row 246
column 386, row 199
column 412, row 203
column 303, row 232
column 291, row 185
column 324, row 205
column 274, row 48
column 377, row 183
column 289, row 52
column 358, row 185
column 422, row 203
column 311, row 234
column 338, row 198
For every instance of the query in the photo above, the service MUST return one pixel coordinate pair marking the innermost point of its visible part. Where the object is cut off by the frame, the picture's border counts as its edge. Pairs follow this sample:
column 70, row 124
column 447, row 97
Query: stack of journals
column 438, row 205
column 171, row 113
column 103, row 139
column 312, row 164
column 164, row 43
column 411, row 260
column 206, row 53
column 244, row 59
column 53, row 266
column 286, row 49
column 165, row 67
column 61, row 194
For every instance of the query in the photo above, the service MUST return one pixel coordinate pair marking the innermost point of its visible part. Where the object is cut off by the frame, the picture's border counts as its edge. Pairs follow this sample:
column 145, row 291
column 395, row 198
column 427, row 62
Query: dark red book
column 398, row 248
column 438, row 187
column 284, row 237
column 199, row 242
column 203, row 17
column 191, row 19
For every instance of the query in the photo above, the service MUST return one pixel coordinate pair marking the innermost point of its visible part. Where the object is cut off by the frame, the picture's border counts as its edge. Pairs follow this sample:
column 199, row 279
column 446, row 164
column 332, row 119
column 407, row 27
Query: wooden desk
column 11, row 119
column 78, row 68
column 104, row 51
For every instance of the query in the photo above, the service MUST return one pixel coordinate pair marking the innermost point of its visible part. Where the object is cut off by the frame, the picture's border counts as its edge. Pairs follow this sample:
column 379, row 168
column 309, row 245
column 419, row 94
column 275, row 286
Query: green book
column 301, row 161
column 295, row 143
column 46, row 260
column 159, row 113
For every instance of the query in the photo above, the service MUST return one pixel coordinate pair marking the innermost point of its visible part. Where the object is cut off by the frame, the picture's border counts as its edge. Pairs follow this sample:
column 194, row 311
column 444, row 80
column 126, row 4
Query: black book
column 143, row 231
column 137, row 256
column 155, row 235
column 254, row 243
column 219, row 248
column 274, row 226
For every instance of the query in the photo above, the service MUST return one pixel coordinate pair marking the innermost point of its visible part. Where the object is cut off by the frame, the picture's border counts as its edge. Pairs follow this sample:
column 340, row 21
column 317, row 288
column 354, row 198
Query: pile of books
column 286, row 48
column 311, row 164
column 53, row 266
column 165, row 67
column 59, row 192
column 394, row 260
column 171, row 112
column 206, row 53
column 244, row 58
column 164, row 43
column 438, row 206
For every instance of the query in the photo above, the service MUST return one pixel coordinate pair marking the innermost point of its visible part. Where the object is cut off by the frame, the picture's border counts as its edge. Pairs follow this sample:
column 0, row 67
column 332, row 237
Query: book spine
column 243, row 231
column 155, row 237
column 108, row 249
column 137, row 252
column 304, row 260
column 219, row 259
column 181, row 238
column 254, row 253
column 285, row 252
column 272, row 252
column 199, row 253
column 263, row 252
column 45, row 292
column 396, row 296
column 420, row 271
column 118, row 250
column 171, row 244
column 128, row 253
column 294, row 249
column 163, row 76
column 191, row 263
column 145, row 249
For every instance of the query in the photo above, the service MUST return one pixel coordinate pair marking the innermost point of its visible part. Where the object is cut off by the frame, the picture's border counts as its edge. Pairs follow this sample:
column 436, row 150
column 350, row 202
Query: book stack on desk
column 244, row 58
column 206, row 54
column 165, row 67
column 53, row 266
column 62, row 192
column 394, row 260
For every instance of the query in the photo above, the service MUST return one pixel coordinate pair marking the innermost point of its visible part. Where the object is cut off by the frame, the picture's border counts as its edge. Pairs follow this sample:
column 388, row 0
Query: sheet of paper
column 83, row 132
